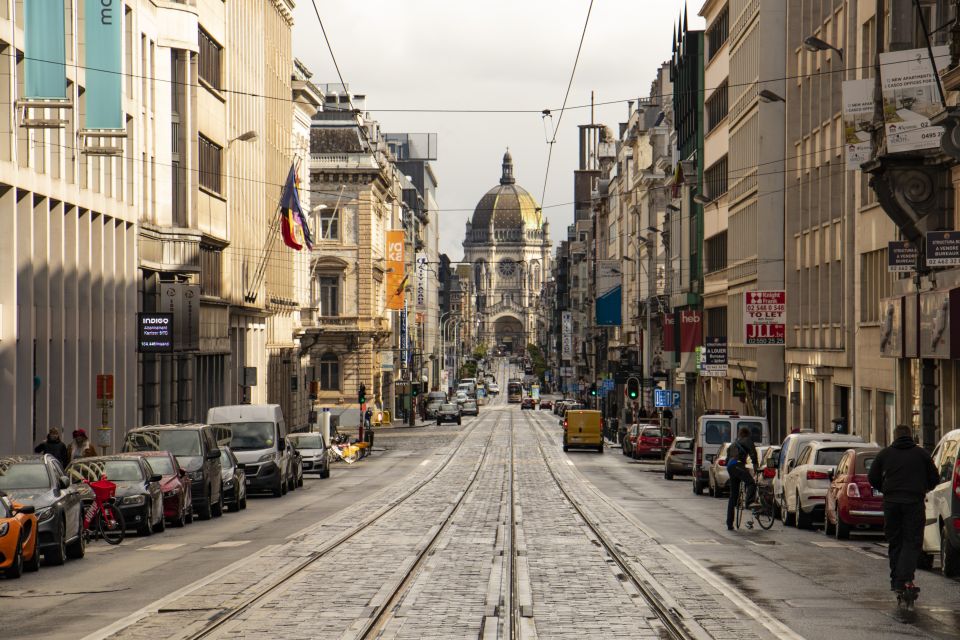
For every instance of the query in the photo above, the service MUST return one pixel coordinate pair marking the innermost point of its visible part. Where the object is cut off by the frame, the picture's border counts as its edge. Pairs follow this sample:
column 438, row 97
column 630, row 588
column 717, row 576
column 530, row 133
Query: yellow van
column 583, row 428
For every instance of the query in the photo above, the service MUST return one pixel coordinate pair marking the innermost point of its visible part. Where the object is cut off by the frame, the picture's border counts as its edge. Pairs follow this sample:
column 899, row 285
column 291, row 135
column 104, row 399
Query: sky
column 492, row 54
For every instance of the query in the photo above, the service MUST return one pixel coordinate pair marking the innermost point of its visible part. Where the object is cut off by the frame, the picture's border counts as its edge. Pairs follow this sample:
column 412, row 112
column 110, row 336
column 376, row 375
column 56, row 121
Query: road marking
column 99, row 549
column 226, row 544
column 153, row 607
column 701, row 541
column 427, row 461
column 831, row 545
column 747, row 605
column 170, row 546
column 570, row 462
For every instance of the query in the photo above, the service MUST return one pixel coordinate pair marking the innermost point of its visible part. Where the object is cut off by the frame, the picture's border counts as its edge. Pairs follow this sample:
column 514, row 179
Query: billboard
column 104, row 89
column 155, row 332
column 396, row 278
column 858, row 108
column 609, row 293
column 45, row 73
column 910, row 97
column 765, row 317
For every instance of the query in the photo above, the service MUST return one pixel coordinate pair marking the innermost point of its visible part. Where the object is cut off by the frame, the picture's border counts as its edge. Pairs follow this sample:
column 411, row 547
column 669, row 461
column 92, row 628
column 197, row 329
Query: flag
column 678, row 180
column 293, row 221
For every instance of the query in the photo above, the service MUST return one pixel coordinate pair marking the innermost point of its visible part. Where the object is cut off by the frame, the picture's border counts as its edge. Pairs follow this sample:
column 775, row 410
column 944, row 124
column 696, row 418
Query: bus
column 514, row 392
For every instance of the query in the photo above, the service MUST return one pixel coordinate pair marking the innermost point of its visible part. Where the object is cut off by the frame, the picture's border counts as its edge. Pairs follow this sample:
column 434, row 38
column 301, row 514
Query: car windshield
column 250, row 435
column 161, row 465
column 24, row 476
column 683, row 445
column 307, row 441
column 829, row 457
column 448, row 407
column 184, row 442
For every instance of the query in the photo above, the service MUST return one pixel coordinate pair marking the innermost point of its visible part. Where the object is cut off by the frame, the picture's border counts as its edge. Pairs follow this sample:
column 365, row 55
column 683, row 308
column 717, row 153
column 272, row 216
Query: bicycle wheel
column 110, row 524
column 764, row 514
column 739, row 508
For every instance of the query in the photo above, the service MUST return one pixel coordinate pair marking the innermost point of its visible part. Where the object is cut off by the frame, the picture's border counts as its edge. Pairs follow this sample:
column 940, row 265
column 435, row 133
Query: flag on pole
column 293, row 221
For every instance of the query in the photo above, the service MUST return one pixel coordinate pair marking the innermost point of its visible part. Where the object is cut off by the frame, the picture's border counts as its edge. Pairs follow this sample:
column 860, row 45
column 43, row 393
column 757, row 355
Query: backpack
column 734, row 453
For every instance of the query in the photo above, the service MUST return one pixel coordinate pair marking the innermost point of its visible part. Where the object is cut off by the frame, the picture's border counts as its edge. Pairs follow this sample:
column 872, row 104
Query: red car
column 546, row 404
column 528, row 403
column 652, row 441
column 177, row 495
column 851, row 502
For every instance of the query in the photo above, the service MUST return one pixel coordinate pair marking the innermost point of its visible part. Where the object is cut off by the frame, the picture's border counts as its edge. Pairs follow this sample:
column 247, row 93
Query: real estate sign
column 910, row 97
column 765, row 317
column 858, row 108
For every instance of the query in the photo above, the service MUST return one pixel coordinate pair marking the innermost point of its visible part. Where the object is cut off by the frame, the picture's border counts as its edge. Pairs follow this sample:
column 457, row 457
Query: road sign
column 663, row 398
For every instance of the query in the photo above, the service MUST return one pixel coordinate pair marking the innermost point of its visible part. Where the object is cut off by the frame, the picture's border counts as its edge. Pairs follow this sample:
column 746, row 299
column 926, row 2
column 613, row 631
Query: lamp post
column 814, row 44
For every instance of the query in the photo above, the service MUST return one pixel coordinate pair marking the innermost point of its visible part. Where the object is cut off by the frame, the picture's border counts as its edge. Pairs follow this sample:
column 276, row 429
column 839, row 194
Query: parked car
column 629, row 438
column 679, row 459
column 313, row 453
column 234, row 481
column 470, row 408
column 570, row 406
column 942, row 533
column 434, row 400
column 715, row 429
column 257, row 433
column 583, row 429
column 493, row 389
column 768, row 466
column 39, row 481
column 719, row 482
column 790, row 448
column 528, row 403
column 652, row 441
column 448, row 412
column 138, row 487
column 295, row 467
column 851, row 501
column 808, row 479
column 176, row 487
column 18, row 538
column 196, row 450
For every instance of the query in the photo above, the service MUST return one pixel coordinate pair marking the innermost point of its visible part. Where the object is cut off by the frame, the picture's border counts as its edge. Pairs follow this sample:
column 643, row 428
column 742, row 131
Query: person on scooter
column 904, row 473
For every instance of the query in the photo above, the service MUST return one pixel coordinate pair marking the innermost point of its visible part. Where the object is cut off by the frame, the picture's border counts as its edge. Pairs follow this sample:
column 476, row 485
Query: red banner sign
column 691, row 331
column 765, row 317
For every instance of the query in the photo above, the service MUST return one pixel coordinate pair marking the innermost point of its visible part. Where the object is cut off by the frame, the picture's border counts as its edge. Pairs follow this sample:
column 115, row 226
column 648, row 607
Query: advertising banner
column 911, row 97
column 943, row 248
column 669, row 334
column 155, row 332
column 901, row 256
column 421, row 282
column 396, row 278
column 714, row 361
column 609, row 293
column 566, row 336
column 182, row 301
column 691, row 331
column 45, row 74
column 104, row 88
column 403, row 337
column 765, row 316
column 858, row 108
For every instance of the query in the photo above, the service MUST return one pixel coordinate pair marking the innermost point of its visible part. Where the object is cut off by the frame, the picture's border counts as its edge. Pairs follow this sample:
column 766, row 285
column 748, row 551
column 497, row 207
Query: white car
column 493, row 388
column 942, row 533
column 808, row 479
column 312, row 452
column 789, row 450
column 719, row 482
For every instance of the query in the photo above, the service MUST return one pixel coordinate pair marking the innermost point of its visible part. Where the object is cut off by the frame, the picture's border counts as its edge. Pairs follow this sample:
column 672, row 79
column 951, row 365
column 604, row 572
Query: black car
column 296, row 464
column 234, row 481
column 139, row 495
column 528, row 403
column 448, row 412
column 39, row 481
column 196, row 450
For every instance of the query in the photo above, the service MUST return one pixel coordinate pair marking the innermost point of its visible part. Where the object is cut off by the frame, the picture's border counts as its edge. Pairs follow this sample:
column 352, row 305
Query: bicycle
column 762, row 512
column 109, row 519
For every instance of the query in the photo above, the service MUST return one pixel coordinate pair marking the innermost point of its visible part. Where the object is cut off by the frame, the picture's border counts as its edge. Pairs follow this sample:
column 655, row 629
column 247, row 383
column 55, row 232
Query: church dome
column 507, row 206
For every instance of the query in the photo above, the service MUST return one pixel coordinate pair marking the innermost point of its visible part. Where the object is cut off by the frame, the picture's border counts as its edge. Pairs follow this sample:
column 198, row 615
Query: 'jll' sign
column 765, row 317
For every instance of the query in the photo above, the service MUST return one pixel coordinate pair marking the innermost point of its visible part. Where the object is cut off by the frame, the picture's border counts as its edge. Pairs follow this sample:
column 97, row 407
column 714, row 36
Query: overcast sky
column 491, row 54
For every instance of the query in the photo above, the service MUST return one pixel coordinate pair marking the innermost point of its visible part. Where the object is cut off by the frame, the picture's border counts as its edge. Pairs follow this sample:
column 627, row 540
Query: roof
column 335, row 140
column 507, row 206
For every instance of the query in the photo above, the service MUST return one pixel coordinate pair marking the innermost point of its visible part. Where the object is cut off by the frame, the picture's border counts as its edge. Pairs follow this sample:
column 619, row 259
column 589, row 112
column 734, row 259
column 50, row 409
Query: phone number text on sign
column 765, row 317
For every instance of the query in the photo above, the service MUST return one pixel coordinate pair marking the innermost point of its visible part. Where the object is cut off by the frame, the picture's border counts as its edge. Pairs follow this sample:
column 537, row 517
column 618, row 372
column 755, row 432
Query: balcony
column 312, row 321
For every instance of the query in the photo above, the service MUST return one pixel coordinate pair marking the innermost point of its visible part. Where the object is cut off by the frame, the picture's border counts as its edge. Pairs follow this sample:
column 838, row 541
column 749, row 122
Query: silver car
column 313, row 453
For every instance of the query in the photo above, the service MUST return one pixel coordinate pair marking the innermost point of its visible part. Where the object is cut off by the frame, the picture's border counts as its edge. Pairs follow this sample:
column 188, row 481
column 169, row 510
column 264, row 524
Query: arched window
column 329, row 372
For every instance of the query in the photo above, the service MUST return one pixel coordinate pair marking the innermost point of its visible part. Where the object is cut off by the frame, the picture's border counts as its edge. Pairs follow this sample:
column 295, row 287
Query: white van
column 258, row 433
column 789, row 451
column 713, row 430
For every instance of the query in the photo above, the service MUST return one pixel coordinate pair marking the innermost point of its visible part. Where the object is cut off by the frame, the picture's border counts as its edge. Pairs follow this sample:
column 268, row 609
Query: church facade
column 508, row 245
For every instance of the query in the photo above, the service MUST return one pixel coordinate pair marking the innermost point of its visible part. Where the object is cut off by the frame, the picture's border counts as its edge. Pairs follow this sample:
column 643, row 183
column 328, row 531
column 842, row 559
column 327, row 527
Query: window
column 329, row 372
column 715, row 321
column 876, row 283
column 716, row 247
column 717, row 432
column 329, row 296
column 715, row 179
column 211, row 270
column 210, row 165
column 329, row 224
column 208, row 60
column 717, row 33
column 717, row 105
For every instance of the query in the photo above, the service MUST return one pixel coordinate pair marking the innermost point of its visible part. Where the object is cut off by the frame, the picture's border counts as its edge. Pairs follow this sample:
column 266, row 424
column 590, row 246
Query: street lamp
column 246, row 136
column 702, row 199
column 814, row 44
column 769, row 96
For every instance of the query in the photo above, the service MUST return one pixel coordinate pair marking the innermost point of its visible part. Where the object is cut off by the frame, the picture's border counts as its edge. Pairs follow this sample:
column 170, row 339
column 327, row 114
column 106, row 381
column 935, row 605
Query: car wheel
column 439, row 423
column 600, row 448
column 58, row 554
column 785, row 514
column 804, row 520
column 667, row 475
column 566, row 448
column 15, row 570
column 283, row 487
column 161, row 525
column 76, row 549
column 292, row 485
column 206, row 512
column 300, row 480
column 841, row 529
column 278, row 490
column 145, row 529
column 218, row 508
column 242, row 503
column 697, row 487
column 181, row 518
column 828, row 527
column 949, row 555
column 188, row 516
column 33, row 564
column 325, row 472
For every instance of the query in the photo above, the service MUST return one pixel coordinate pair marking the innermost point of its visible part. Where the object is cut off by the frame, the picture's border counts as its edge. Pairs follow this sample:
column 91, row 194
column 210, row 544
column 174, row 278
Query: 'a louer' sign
column 765, row 317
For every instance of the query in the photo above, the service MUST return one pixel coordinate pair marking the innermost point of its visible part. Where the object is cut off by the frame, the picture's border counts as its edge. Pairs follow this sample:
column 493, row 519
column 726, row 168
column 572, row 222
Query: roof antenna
column 591, row 106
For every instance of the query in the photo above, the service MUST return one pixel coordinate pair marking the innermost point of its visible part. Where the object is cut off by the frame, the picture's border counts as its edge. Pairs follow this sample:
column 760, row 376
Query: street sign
column 901, row 256
column 765, row 317
column 663, row 398
column 943, row 248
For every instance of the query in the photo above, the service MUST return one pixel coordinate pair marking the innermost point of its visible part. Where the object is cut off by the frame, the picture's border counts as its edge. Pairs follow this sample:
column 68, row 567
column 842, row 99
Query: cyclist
column 737, row 456
column 904, row 473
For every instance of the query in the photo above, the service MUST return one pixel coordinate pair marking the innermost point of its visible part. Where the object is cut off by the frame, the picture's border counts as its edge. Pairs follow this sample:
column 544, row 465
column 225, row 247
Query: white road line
column 427, row 461
column 748, row 606
column 155, row 606
column 226, row 544
column 170, row 546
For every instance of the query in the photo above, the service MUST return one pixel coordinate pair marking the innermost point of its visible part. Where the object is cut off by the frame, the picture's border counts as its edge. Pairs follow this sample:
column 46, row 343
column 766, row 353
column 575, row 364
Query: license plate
column 654, row 450
column 249, row 481
column 878, row 494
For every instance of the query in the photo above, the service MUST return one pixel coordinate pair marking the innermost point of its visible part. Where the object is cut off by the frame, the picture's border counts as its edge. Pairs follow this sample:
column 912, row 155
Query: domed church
column 508, row 244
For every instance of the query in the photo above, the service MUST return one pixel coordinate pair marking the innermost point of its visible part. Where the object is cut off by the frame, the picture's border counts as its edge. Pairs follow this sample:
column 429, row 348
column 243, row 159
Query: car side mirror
column 831, row 473
column 26, row 509
column 63, row 482
column 213, row 454
column 156, row 477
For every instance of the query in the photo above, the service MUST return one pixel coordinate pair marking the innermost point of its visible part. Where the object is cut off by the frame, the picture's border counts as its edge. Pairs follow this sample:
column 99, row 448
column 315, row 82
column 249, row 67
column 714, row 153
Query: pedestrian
column 737, row 456
column 904, row 473
column 55, row 447
column 81, row 446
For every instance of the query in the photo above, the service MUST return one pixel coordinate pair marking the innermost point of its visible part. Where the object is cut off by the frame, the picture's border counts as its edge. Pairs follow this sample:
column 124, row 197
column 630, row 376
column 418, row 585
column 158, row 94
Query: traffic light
column 415, row 389
column 362, row 394
column 633, row 388
column 593, row 390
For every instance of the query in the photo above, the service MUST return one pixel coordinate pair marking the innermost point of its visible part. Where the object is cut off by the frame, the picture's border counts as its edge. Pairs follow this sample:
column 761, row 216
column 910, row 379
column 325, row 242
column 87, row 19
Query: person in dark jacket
column 55, row 447
column 737, row 455
column 904, row 473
